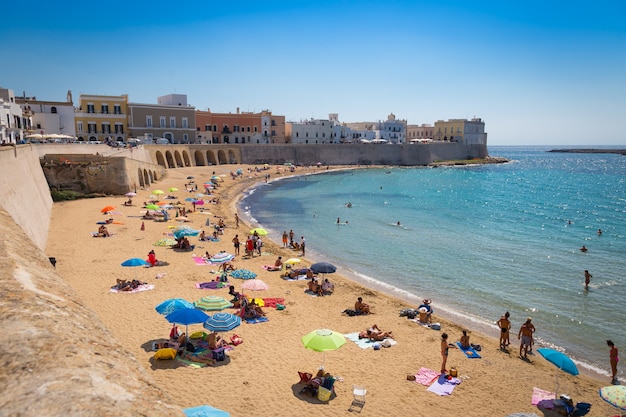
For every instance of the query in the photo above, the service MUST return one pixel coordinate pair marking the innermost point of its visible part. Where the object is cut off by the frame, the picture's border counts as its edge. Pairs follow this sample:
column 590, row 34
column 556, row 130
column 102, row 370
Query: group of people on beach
column 288, row 241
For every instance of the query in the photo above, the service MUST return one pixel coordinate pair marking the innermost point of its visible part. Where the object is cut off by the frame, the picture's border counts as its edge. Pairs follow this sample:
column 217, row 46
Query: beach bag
column 376, row 346
column 280, row 306
column 435, row 326
column 453, row 372
column 219, row 355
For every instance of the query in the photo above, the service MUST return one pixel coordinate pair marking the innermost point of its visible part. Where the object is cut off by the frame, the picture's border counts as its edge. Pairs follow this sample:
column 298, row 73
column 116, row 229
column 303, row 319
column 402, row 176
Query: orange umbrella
column 107, row 209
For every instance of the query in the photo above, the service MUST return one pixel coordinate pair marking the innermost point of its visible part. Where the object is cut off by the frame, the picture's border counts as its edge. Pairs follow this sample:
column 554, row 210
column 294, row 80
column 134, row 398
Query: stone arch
column 232, row 158
column 146, row 178
column 140, row 176
column 210, row 156
column 154, row 175
column 150, row 176
column 199, row 158
column 179, row 160
column 186, row 158
column 170, row 160
column 160, row 159
column 221, row 157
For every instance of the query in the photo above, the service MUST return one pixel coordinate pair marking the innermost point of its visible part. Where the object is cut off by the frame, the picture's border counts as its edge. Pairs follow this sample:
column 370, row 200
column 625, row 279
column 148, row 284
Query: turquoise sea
column 478, row 240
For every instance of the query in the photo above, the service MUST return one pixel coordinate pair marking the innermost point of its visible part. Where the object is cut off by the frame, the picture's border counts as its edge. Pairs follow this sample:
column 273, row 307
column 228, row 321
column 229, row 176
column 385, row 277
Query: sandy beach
column 261, row 374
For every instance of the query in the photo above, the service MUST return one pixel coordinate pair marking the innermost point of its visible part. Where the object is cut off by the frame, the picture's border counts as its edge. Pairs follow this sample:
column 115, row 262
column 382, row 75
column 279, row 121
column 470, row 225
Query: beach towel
column 143, row 287
column 426, row 376
column 298, row 278
column 257, row 320
column 470, row 352
column 192, row 364
column 444, row 385
column 199, row 260
column 542, row 396
column 366, row 343
column 211, row 285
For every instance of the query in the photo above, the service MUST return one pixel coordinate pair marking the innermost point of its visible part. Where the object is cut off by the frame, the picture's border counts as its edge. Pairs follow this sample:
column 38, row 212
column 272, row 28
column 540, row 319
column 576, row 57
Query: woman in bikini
column 444, row 352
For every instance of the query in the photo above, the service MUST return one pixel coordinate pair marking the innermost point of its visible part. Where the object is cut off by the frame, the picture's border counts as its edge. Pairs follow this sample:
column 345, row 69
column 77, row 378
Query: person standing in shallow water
column 613, row 359
column 588, row 277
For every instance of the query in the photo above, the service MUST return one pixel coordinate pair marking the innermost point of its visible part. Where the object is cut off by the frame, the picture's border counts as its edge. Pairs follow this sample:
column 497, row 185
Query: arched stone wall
column 221, row 157
column 160, row 159
column 186, row 159
column 146, row 178
column 178, row 159
column 199, row 158
column 232, row 157
column 154, row 175
column 170, row 160
column 140, row 177
column 151, row 177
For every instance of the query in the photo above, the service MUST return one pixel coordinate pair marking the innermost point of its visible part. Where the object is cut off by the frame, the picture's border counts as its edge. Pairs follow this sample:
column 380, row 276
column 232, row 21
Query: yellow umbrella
column 172, row 189
column 158, row 192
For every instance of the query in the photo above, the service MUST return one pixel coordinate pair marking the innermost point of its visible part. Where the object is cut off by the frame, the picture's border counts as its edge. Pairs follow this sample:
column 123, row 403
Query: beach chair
column 305, row 377
column 358, row 402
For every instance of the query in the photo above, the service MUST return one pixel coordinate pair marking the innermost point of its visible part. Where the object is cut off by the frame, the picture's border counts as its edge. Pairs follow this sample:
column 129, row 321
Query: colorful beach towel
column 199, row 260
column 257, row 320
column 211, row 285
column 192, row 364
column 426, row 376
column 542, row 396
column 470, row 352
column 444, row 385
column 298, row 278
column 365, row 343
column 143, row 287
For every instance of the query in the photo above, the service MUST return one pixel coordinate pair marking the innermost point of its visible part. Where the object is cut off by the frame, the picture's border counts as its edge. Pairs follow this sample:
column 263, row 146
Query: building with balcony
column 171, row 119
column 388, row 131
column 239, row 127
column 12, row 121
column 423, row 131
column 101, row 118
column 48, row 117
column 469, row 132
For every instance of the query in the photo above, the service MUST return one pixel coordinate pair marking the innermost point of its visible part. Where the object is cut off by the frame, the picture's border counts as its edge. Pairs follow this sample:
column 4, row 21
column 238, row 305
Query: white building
column 49, row 117
column 314, row 131
column 11, row 118
column 390, row 131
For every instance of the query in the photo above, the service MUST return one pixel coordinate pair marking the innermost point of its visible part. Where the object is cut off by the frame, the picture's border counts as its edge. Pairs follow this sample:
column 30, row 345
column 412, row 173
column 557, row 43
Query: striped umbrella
column 222, row 322
column 221, row 257
column 212, row 303
column 243, row 274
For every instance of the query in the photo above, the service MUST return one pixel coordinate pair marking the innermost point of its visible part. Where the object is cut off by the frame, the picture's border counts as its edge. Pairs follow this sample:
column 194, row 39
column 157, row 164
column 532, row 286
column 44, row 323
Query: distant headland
column 616, row 151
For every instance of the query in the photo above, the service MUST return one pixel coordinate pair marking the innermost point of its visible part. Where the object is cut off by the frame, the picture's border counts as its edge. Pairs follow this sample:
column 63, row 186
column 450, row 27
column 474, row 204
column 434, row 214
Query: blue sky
column 537, row 72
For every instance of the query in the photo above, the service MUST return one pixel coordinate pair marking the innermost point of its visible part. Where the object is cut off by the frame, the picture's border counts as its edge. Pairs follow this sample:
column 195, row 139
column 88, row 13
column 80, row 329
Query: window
column 79, row 127
column 207, row 128
column 148, row 121
column 90, row 108
column 53, row 110
column 236, row 128
column 185, row 123
column 106, row 127
column 105, row 108
column 172, row 121
column 119, row 128
column 248, row 129
column 91, row 126
column 117, row 109
column 273, row 133
column 256, row 129
column 215, row 128
column 185, row 138
column 274, row 123
column 161, row 121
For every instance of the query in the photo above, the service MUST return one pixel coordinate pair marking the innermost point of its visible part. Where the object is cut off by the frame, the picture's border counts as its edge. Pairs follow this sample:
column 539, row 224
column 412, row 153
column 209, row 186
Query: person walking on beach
column 236, row 220
column 588, row 277
column 236, row 244
column 302, row 244
column 614, row 359
column 526, row 335
column 285, row 238
column 505, row 330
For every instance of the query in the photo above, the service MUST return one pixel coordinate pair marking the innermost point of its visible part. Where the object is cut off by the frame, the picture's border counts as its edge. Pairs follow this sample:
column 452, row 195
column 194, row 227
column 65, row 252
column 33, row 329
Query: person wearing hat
column 426, row 309
column 526, row 335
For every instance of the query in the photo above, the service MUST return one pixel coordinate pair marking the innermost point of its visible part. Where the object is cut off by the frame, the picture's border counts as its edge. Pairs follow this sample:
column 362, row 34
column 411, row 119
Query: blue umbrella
column 222, row 322
column 185, row 232
column 221, row 257
column 561, row 361
column 243, row 274
column 323, row 268
column 205, row 411
column 190, row 199
column 173, row 304
column 134, row 262
column 187, row 316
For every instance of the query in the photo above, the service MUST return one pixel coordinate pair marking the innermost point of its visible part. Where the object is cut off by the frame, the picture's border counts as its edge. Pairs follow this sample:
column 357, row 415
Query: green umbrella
column 322, row 340
column 158, row 192
column 153, row 207
column 212, row 303
column 259, row 231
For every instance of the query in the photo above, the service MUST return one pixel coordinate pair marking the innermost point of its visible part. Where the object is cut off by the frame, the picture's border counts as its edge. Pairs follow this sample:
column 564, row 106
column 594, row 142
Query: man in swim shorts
column 526, row 335
column 505, row 327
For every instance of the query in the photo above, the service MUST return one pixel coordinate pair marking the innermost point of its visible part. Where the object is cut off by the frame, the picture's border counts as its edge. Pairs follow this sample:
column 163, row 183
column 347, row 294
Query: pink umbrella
column 255, row 285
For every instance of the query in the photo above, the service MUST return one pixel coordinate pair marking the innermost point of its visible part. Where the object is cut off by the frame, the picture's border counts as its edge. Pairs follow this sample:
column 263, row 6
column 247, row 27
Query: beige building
column 423, row 131
column 469, row 132
column 101, row 118
column 172, row 119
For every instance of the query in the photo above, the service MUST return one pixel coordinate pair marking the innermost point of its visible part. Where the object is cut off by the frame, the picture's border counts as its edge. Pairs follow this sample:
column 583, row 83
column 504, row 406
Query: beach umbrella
column 187, row 316
column 152, row 207
column 255, row 285
column 199, row 202
column 133, row 262
column 323, row 268
column 200, row 195
column 164, row 241
column 221, row 257
column 614, row 395
column 243, row 274
column 106, row 209
column 171, row 305
column 222, row 322
column 322, row 340
column 561, row 361
column 259, row 231
column 162, row 203
column 205, row 411
column 183, row 231
column 172, row 189
column 212, row 303
column 158, row 192
column 190, row 199
column 130, row 194
column 292, row 261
